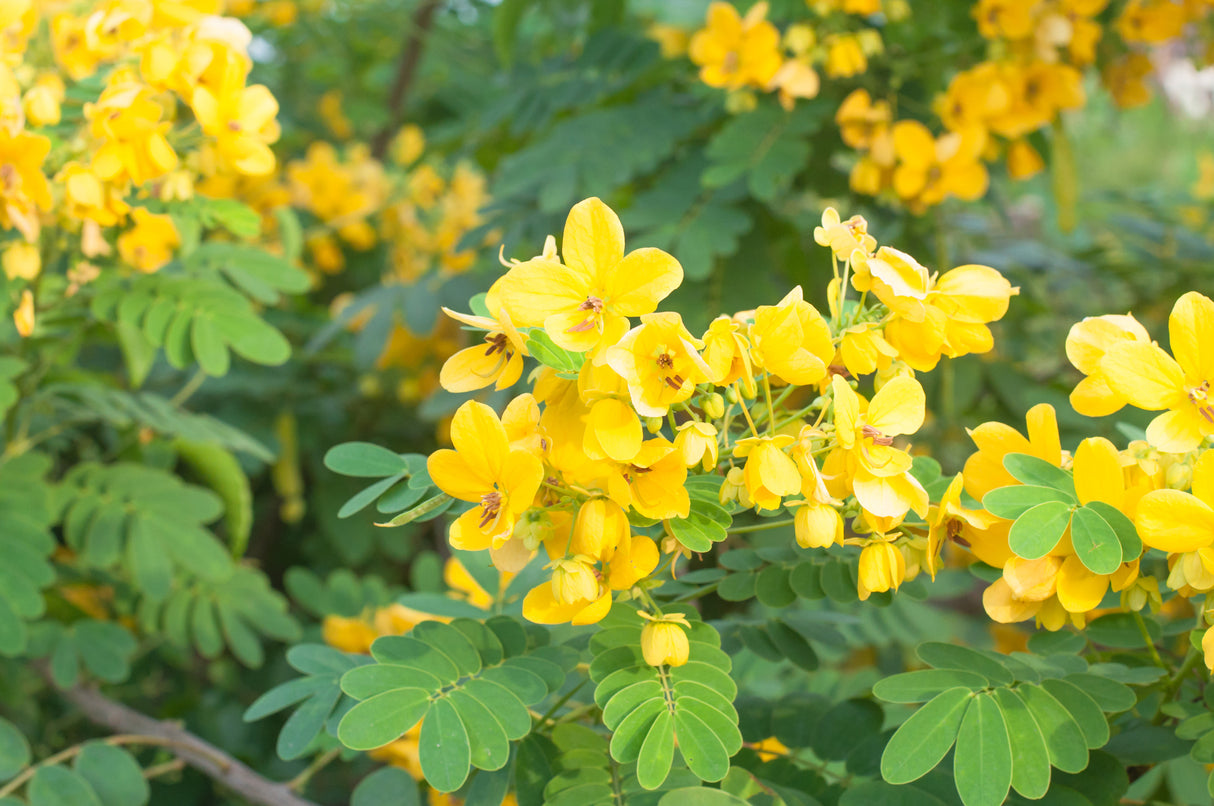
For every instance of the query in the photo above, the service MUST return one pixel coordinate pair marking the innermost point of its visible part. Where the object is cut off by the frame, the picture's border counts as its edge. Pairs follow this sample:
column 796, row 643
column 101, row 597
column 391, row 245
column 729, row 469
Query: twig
column 163, row 769
column 202, row 756
column 319, row 763
column 422, row 20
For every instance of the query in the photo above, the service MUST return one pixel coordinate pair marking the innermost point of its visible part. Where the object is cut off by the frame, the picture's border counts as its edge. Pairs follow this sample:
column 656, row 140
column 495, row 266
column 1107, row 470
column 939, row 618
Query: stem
column 299, row 782
column 771, row 411
column 745, row 410
column 564, row 699
column 1190, row 662
column 191, row 386
column 762, row 527
column 163, row 769
column 1146, row 636
column 420, row 27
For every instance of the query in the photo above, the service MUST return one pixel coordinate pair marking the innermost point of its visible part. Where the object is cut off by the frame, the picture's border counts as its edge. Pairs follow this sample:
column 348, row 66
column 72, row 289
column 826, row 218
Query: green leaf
column 792, row 645
column 1111, row 696
column 922, row 685
column 285, row 695
column 383, row 718
column 952, row 656
column 208, row 346
column 1127, row 533
column 302, row 727
column 1063, row 736
column 1028, row 469
column 1095, row 542
column 13, row 632
column 364, row 460
column 982, row 763
column 443, row 748
column 252, row 338
column 699, row 796
column 630, row 734
column 550, row 354
column 924, row 739
column 772, row 588
column 656, row 753
column 628, row 699
column 871, row 793
column 490, row 749
column 1083, row 709
column 701, row 749
column 1037, row 531
column 106, row 649
column 1030, row 756
column 14, row 750
column 149, row 563
column 114, row 774
column 387, row 786
column 706, row 523
column 1013, row 501
column 59, row 786
column 1121, row 631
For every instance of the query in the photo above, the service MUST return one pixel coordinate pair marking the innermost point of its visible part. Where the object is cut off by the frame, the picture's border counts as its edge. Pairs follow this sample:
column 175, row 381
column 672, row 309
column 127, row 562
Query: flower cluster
column 168, row 106
column 1035, row 55
column 596, row 464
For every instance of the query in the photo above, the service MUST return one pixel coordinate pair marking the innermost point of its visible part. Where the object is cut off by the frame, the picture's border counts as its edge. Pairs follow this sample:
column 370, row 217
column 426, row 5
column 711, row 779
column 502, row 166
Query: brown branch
column 202, row 756
column 423, row 18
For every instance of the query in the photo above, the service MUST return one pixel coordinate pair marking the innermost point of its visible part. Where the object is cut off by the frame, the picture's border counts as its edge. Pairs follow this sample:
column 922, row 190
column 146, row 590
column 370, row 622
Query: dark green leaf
column 922, row 685
column 114, row 775
column 383, row 718
column 443, row 748
column 924, row 739
column 982, row 762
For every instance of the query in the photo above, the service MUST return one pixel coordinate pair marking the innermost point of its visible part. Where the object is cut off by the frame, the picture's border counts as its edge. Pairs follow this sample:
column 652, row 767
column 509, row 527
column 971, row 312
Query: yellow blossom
column 1175, row 521
column 1086, row 344
column 791, row 340
column 660, row 361
column 1146, row 377
column 696, row 442
column 882, row 567
column 734, row 51
column 243, row 123
column 126, row 121
column 584, row 303
column 844, row 56
column 497, row 361
column 484, row 469
column 771, row 473
column 22, row 260
column 150, row 243
column 844, row 237
column 664, row 639
column 23, row 317
column 24, row 189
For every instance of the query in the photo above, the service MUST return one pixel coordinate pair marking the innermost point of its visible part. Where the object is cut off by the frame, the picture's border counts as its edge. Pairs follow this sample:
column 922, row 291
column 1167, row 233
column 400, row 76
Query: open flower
column 499, row 361
column 584, row 303
column 791, row 340
column 659, row 360
column 734, row 51
column 1175, row 521
column 484, row 469
column 1145, row 376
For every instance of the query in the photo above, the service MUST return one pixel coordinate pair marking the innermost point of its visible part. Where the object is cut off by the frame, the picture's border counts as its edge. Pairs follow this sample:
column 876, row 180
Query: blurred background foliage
column 419, row 136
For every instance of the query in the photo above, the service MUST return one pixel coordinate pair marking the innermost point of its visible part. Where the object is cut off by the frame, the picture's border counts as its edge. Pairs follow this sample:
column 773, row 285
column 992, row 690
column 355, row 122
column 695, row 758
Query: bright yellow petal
column 1092, row 397
column 778, row 472
column 1191, row 333
column 480, row 438
column 889, row 496
column 1175, row 522
column 616, row 428
column 974, row 293
column 1098, row 474
column 898, row 408
column 522, row 474
column 637, row 563
column 1003, row 606
column 470, row 369
column 594, row 612
column 466, row 533
column 1178, row 431
column 533, row 291
column 1042, row 425
column 641, row 280
column 454, row 476
column 594, row 240
column 847, row 411
column 541, row 607
column 1144, row 375
column 1203, row 477
column 1079, row 590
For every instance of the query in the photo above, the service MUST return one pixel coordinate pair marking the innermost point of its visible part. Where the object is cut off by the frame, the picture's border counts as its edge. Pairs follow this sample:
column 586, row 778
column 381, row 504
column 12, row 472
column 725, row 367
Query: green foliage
column 26, row 515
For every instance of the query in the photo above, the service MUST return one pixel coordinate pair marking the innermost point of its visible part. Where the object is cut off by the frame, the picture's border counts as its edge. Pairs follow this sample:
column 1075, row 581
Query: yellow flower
column 930, row 170
column 882, row 567
column 87, row 198
column 1146, row 377
column 458, row 579
column 795, row 79
column 601, row 526
column 1086, row 344
column 664, row 639
column 898, row 409
column 660, row 362
column 860, row 120
column 634, row 559
column 727, row 354
column 41, row 106
column 1207, row 648
column 584, row 303
column 1175, row 521
column 243, row 123
column 864, row 350
column 150, row 243
column 734, row 51
column 1023, row 160
column 844, row 237
column 948, row 520
column 1126, row 80
column 24, row 189
column 896, row 278
column 408, row 145
column 655, row 479
column 23, row 317
column 696, row 442
column 844, row 56
column 791, row 340
column 1005, row 19
column 573, row 595
column 984, row 470
column 484, row 469
column 1151, row 21
column 613, row 430
column 22, row 260
column 348, row 634
column 770, row 472
column 126, row 120
column 498, row 361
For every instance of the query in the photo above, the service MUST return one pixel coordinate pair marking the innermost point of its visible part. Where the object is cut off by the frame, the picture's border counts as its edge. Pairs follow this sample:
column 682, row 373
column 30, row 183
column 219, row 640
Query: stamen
column 491, row 508
column 675, row 382
column 593, row 304
column 876, row 436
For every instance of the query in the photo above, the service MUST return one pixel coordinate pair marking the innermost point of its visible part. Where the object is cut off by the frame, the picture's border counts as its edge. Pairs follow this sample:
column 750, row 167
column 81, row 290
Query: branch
column 423, row 18
column 202, row 756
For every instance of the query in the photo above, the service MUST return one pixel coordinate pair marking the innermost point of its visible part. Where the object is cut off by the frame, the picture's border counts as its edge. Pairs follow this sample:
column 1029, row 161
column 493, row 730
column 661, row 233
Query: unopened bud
column 714, row 406
column 1179, row 476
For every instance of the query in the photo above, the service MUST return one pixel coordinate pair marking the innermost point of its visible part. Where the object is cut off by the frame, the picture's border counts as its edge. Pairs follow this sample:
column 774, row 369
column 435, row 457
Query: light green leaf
column 1030, row 756
column 443, row 747
column 489, row 747
column 1083, row 709
column 14, row 750
column 59, row 786
column 383, row 718
column 1063, row 736
column 924, row 684
column 701, row 749
column 114, row 775
column 656, row 753
column 364, row 460
column 924, row 739
column 982, row 763
column 1111, row 696
column 1095, row 542
column 1028, row 469
column 208, row 346
column 387, row 786
column 952, row 656
column 1037, row 531
column 1014, row 500
column 1127, row 533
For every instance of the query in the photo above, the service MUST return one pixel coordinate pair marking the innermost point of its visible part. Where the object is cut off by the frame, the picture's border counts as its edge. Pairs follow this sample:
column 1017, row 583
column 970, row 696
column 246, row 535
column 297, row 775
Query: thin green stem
column 299, row 782
column 762, row 527
column 187, row 391
column 1190, row 662
column 1146, row 637
column 564, row 699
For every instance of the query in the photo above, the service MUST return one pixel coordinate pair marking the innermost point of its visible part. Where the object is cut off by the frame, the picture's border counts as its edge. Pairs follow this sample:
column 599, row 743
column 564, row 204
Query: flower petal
column 593, row 242
column 898, row 408
column 453, row 475
column 1098, row 474
column 1144, row 375
column 480, row 438
column 1177, row 431
column 1080, row 590
column 1173, row 521
column 641, row 280
column 1191, row 333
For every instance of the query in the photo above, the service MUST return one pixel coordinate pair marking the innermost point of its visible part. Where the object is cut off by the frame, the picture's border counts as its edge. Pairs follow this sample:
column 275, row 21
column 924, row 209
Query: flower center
column 592, row 305
column 876, row 436
column 1200, row 396
column 497, row 344
column 665, row 362
column 491, row 508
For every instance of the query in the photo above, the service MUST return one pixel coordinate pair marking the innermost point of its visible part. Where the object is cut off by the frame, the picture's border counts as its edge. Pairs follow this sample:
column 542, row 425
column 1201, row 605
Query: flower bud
column 664, row 642
column 1179, row 476
column 714, row 406
column 653, row 424
column 41, row 106
column 1144, row 591
column 882, row 567
column 818, row 526
column 23, row 317
column 731, row 394
column 574, row 581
